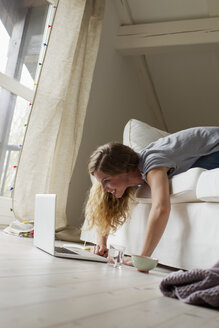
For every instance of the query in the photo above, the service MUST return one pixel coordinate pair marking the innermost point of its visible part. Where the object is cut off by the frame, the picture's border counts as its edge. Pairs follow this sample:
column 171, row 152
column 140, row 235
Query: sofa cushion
column 182, row 187
column 138, row 135
column 208, row 186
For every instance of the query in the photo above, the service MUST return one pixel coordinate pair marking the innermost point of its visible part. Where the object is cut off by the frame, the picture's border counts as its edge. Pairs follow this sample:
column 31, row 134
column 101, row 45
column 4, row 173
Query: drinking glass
column 115, row 255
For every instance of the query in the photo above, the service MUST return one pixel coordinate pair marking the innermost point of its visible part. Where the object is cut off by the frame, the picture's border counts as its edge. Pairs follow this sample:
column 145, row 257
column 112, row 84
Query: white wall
column 187, row 85
column 116, row 96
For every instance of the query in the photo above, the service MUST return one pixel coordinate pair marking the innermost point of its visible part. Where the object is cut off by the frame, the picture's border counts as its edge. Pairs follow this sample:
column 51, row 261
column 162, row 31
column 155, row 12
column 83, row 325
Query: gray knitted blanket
column 196, row 286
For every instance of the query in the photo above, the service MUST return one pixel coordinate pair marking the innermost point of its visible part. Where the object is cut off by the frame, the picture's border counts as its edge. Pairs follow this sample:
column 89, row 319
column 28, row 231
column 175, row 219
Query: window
column 24, row 30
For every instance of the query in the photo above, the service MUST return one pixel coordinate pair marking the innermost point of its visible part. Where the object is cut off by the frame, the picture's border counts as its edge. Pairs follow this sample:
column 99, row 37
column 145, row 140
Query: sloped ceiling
column 148, row 11
column 186, row 81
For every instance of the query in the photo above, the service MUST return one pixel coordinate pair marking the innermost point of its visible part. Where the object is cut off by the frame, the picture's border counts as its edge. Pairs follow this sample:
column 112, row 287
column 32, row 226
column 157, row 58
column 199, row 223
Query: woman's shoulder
column 182, row 137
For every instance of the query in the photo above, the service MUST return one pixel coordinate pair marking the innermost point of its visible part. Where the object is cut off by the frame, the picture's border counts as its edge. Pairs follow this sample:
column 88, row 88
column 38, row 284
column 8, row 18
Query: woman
column 119, row 169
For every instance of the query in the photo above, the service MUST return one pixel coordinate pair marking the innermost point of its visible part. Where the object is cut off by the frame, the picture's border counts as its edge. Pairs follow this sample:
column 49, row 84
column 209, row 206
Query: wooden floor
column 38, row 290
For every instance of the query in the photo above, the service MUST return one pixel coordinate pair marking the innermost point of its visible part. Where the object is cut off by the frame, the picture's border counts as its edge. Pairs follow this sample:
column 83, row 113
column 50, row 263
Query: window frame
column 15, row 87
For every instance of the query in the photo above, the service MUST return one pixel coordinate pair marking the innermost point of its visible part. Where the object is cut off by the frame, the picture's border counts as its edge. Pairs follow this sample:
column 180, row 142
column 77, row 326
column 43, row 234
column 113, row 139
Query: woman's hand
column 100, row 247
column 127, row 260
column 101, row 250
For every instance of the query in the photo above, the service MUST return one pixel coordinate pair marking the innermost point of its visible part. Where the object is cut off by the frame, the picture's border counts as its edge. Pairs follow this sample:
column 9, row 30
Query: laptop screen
column 44, row 222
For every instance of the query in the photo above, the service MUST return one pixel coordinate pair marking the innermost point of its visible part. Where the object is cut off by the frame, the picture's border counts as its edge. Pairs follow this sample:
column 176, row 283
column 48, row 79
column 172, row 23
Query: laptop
column 44, row 232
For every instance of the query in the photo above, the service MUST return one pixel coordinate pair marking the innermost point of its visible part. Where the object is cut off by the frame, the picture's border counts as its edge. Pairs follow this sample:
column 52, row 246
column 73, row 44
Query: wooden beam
column 124, row 13
column 148, row 38
column 16, row 87
column 142, row 69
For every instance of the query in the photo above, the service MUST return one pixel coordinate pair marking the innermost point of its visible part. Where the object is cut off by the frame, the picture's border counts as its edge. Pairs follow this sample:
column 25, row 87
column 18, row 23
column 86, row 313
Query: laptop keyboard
column 64, row 250
column 82, row 253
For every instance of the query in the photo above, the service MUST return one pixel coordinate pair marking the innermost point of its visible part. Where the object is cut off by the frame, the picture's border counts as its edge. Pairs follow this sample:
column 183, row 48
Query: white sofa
column 191, row 238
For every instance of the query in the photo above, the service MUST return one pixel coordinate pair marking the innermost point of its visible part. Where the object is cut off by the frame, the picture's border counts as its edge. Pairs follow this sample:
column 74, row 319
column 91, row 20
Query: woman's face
column 116, row 184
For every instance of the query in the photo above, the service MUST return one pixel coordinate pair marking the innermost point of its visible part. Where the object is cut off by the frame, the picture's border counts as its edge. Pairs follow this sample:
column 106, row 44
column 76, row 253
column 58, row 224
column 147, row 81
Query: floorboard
column 39, row 290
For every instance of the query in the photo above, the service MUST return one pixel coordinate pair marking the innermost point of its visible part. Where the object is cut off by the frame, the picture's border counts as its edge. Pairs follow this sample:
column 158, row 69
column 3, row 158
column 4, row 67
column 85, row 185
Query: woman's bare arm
column 158, row 181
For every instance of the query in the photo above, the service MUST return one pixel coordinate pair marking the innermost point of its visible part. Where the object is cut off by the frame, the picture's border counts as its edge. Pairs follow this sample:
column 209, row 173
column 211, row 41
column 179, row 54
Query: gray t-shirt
column 180, row 150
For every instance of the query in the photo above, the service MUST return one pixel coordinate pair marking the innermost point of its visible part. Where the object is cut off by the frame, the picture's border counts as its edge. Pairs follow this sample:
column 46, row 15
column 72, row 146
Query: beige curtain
column 55, row 127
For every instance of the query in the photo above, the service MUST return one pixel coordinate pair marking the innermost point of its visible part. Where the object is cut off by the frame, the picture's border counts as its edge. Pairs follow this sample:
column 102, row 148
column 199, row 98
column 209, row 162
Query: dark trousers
column 208, row 162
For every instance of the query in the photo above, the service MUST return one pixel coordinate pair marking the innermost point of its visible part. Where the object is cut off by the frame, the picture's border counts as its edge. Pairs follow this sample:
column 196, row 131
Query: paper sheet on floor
column 20, row 229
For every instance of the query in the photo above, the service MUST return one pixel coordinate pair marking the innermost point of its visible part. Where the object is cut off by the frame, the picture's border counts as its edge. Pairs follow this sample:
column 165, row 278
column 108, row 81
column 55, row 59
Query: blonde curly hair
column 103, row 209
